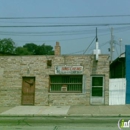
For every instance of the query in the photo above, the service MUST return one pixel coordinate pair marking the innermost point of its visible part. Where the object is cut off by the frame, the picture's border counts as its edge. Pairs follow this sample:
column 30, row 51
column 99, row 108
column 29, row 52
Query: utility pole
column 111, row 49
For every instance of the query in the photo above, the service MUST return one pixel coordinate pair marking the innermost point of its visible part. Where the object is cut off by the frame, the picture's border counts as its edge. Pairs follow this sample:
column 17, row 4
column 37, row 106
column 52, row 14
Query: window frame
column 97, row 86
column 63, row 84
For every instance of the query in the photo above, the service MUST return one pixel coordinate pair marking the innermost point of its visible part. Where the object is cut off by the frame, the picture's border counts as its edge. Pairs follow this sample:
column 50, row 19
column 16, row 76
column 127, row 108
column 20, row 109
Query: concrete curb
column 33, row 120
column 65, row 115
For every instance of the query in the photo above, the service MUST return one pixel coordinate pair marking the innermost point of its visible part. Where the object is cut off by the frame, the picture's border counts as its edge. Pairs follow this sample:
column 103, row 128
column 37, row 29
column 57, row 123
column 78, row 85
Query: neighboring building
column 127, row 48
column 54, row 80
column 120, row 72
column 117, row 81
column 117, row 67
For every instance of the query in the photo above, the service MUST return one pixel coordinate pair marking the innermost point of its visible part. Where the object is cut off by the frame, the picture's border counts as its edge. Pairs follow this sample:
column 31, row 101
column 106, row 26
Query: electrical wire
column 77, row 52
column 71, row 25
column 116, row 51
column 100, row 45
column 57, row 33
column 69, row 32
column 89, row 45
column 71, row 17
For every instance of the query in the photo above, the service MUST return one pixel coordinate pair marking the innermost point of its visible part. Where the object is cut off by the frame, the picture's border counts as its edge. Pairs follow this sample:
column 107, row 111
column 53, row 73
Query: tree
column 39, row 49
column 31, row 47
column 7, row 45
column 49, row 50
column 22, row 51
column 45, row 50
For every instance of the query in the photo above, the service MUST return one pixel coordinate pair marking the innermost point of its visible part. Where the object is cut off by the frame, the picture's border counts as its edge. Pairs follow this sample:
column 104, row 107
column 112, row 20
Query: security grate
column 73, row 83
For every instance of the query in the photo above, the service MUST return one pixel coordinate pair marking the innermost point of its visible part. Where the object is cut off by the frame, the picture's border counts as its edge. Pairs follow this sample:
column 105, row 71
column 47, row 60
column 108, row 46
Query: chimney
column 57, row 49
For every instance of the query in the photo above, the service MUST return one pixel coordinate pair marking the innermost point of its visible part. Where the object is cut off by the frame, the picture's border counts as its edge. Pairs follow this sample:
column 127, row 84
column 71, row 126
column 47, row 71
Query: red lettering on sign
column 65, row 68
column 78, row 68
column 71, row 68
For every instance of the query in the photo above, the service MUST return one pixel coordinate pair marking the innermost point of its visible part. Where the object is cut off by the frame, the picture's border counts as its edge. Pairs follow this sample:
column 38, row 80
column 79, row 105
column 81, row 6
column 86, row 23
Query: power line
column 90, row 49
column 71, row 17
column 104, row 43
column 71, row 25
column 77, row 52
column 64, row 39
column 72, row 31
column 100, row 45
column 116, row 51
column 59, row 39
column 89, row 45
column 69, row 32
column 45, row 33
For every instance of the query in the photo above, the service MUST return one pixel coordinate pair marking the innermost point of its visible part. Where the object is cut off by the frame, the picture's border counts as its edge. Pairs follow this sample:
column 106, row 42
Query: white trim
column 99, row 99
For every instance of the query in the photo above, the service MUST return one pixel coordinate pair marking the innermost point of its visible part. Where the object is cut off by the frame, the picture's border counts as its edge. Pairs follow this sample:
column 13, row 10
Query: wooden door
column 28, row 90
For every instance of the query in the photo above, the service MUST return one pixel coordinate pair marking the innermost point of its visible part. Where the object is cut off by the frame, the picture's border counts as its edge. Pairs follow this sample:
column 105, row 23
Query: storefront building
column 54, row 80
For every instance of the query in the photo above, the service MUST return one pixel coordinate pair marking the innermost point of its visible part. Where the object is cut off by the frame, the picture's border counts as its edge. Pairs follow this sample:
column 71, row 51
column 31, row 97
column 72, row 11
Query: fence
column 117, row 91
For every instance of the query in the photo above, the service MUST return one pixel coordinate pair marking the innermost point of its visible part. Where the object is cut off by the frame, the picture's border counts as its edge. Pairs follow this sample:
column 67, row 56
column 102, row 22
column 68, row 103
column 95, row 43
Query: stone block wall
column 13, row 68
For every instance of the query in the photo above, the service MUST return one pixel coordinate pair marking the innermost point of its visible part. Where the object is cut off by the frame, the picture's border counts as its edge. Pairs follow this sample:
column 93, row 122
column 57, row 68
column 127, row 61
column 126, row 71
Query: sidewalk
column 91, row 111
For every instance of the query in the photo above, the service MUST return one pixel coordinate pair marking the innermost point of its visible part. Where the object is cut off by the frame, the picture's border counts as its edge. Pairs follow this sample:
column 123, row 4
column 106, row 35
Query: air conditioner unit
column 64, row 88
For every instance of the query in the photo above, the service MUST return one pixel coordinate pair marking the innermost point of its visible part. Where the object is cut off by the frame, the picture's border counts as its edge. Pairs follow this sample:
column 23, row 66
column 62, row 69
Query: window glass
column 97, row 91
column 97, row 81
column 66, row 83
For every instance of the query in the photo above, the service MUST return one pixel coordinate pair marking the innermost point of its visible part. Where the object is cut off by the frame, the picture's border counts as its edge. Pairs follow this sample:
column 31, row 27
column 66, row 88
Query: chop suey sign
column 68, row 69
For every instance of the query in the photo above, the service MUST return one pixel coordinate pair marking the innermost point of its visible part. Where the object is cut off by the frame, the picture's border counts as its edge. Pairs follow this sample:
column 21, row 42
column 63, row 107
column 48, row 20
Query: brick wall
column 13, row 68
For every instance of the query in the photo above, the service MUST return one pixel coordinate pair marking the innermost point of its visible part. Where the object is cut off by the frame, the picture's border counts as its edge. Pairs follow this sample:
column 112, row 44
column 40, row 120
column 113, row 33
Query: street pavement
column 62, row 127
column 91, row 111
column 63, row 117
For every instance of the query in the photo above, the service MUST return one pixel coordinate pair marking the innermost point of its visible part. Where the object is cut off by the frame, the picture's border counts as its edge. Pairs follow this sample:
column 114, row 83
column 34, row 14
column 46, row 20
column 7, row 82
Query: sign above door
column 68, row 69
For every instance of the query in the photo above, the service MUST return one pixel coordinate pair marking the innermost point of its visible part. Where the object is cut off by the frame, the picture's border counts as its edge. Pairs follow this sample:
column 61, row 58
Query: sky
column 70, row 22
